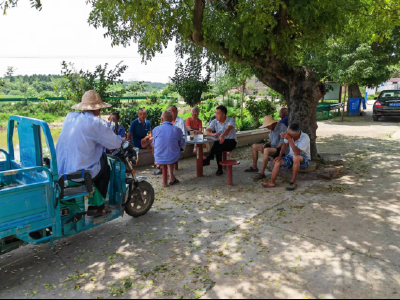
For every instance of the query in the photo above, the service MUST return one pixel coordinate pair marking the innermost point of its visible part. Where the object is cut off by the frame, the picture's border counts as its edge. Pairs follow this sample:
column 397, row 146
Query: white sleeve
column 304, row 143
column 108, row 139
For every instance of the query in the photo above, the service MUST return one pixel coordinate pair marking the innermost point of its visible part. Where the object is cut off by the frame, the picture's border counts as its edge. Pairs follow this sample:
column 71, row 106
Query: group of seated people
column 83, row 149
column 164, row 140
column 288, row 146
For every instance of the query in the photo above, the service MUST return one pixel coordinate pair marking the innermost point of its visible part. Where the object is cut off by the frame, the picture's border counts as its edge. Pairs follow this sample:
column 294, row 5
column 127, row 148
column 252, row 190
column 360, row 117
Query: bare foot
column 268, row 185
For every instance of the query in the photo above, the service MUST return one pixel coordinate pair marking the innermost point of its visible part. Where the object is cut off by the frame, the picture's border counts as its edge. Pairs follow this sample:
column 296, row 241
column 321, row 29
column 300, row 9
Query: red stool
column 230, row 164
column 225, row 157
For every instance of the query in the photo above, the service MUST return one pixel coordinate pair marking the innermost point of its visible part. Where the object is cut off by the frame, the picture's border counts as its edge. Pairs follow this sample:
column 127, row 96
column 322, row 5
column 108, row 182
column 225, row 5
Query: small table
column 198, row 142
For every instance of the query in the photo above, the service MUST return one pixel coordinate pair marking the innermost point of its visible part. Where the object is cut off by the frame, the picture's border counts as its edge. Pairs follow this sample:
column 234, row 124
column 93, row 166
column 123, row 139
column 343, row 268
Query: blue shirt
column 81, row 142
column 121, row 130
column 285, row 121
column 167, row 142
column 139, row 132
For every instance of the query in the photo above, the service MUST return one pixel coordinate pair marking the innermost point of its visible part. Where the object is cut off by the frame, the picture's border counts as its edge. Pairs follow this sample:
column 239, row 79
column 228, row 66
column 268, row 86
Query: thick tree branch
column 283, row 15
column 198, row 14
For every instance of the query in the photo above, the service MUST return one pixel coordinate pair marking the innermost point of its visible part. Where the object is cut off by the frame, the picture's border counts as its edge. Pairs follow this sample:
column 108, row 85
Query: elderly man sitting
column 298, row 158
column 177, row 121
column 140, row 131
column 284, row 115
column 272, row 149
column 167, row 142
column 80, row 146
column 194, row 123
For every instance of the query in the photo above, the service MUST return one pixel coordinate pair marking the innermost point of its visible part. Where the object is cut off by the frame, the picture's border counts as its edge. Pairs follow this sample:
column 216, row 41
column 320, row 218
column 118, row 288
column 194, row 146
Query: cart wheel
column 140, row 200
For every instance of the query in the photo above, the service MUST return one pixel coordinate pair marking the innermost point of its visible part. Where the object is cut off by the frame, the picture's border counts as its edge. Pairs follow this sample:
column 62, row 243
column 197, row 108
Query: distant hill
column 156, row 85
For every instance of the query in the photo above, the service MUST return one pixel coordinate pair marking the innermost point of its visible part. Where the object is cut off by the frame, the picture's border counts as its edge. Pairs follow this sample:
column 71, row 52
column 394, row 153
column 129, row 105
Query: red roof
column 394, row 80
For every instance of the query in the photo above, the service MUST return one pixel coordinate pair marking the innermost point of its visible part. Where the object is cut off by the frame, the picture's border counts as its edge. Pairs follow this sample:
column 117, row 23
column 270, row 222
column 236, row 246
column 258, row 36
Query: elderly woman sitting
column 194, row 123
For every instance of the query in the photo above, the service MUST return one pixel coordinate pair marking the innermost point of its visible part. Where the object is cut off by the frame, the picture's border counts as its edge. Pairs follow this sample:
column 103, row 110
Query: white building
column 391, row 84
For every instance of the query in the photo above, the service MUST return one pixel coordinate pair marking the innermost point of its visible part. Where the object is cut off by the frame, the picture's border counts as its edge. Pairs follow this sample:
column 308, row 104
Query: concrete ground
column 202, row 239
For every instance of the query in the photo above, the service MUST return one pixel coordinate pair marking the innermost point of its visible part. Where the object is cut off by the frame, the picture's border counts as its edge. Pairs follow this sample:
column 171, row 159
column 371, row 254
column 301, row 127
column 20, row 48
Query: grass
column 347, row 119
column 321, row 116
column 47, row 111
column 329, row 101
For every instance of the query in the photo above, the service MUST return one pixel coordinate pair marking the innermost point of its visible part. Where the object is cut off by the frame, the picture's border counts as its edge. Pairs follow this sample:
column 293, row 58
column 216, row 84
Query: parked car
column 387, row 104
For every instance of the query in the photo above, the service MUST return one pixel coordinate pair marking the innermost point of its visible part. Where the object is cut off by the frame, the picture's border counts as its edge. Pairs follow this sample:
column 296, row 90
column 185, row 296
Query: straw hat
column 91, row 101
column 268, row 121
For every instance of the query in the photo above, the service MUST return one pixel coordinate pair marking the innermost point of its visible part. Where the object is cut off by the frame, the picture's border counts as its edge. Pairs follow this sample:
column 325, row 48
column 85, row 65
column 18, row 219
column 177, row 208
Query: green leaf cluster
column 189, row 82
column 101, row 80
column 260, row 109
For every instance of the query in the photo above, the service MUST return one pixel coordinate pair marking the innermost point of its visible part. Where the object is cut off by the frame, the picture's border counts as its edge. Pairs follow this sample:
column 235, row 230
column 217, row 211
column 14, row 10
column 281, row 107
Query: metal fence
column 65, row 99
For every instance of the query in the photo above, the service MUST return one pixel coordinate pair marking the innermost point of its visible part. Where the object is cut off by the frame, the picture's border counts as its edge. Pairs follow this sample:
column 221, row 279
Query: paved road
column 336, row 239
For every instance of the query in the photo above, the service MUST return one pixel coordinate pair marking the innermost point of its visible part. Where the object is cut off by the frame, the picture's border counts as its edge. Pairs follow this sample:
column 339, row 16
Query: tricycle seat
column 79, row 184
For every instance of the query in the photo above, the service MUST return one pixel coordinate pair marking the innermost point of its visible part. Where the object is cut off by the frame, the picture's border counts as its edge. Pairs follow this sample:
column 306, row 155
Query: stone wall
column 245, row 138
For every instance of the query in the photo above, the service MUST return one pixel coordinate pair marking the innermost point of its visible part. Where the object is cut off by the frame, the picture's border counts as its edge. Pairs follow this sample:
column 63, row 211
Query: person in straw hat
column 272, row 149
column 80, row 146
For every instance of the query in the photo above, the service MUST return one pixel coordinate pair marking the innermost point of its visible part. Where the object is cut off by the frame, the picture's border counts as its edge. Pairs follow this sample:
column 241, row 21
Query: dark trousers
column 218, row 149
column 102, row 179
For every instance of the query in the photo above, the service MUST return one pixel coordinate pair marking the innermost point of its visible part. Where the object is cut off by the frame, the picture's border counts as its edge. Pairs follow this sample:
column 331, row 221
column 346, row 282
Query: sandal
column 174, row 183
column 251, row 170
column 220, row 173
column 102, row 211
column 259, row 176
column 292, row 186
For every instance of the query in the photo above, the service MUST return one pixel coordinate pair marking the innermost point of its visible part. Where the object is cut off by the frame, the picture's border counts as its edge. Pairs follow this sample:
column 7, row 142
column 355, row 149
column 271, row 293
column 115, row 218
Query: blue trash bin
column 355, row 105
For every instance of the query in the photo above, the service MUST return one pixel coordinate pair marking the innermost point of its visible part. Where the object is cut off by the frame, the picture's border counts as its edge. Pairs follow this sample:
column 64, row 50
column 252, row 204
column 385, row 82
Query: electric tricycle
column 38, row 205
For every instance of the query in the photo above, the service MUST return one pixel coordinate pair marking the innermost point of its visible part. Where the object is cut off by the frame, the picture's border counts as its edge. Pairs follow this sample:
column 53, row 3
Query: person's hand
column 267, row 145
column 217, row 134
column 285, row 136
column 197, row 132
column 221, row 139
column 277, row 160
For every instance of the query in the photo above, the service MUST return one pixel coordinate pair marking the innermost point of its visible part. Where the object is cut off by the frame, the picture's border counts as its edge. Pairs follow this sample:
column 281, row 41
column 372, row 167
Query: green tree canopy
column 272, row 37
column 189, row 82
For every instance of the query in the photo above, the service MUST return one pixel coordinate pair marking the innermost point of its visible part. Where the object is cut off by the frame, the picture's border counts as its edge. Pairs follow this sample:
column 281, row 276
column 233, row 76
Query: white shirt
column 81, row 142
column 216, row 126
column 181, row 124
column 303, row 143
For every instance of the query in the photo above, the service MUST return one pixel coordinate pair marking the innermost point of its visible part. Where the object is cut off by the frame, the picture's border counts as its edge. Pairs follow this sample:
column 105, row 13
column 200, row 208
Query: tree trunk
column 354, row 91
column 302, row 95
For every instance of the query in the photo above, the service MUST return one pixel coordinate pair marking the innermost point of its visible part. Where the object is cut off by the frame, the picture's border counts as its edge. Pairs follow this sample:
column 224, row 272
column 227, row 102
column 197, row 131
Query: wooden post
column 165, row 175
column 344, row 102
column 199, row 161
column 230, row 175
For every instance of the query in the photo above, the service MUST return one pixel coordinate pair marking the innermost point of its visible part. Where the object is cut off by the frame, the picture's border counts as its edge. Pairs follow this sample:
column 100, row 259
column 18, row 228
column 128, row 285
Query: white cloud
column 37, row 42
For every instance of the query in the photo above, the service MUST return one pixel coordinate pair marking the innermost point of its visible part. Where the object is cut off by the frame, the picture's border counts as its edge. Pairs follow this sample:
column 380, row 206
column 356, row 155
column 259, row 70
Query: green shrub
column 129, row 114
column 260, row 109
column 247, row 124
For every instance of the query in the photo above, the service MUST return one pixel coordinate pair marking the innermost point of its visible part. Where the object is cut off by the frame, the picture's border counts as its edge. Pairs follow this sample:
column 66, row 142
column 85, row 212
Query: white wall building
column 391, row 84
